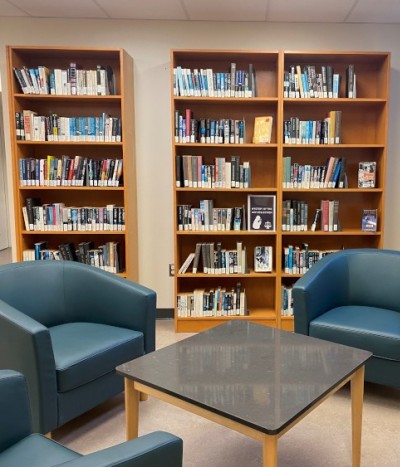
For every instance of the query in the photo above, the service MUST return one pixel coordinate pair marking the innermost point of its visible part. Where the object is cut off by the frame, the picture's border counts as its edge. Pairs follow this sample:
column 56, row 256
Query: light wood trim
column 270, row 451
column 131, row 409
column 357, row 395
column 194, row 409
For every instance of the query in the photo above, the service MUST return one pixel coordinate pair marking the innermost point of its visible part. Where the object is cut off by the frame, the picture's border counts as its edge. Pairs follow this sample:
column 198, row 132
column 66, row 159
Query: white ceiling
column 329, row 11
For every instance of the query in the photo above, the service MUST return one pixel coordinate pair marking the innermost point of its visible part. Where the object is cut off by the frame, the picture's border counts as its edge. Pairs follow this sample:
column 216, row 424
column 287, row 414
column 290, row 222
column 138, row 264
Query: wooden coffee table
column 254, row 379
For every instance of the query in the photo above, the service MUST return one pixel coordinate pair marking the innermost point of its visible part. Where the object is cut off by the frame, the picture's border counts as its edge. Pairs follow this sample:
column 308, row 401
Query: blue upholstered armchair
column 66, row 326
column 20, row 447
column 352, row 297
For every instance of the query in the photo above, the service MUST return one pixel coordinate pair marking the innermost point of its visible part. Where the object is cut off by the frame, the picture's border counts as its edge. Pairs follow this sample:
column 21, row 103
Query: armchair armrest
column 109, row 299
column 152, row 450
column 25, row 346
column 323, row 287
column 15, row 416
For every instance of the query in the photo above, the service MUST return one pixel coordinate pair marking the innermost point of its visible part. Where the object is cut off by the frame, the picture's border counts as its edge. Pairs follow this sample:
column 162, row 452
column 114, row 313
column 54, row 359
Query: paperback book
column 261, row 212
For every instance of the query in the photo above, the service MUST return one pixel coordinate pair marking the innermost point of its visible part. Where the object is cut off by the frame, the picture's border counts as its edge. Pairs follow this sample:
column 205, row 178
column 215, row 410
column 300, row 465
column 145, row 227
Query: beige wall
column 149, row 43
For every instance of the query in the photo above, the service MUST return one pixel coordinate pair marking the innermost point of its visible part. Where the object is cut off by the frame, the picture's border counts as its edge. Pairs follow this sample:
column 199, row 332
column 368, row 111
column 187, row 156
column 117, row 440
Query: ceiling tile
column 61, row 9
column 226, row 10
column 309, row 10
column 373, row 11
column 140, row 9
column 7, row 9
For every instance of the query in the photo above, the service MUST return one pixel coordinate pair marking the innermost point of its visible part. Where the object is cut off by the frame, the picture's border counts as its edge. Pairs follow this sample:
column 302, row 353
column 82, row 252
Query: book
column 263, row 259
column 366, row 174
column 261, row 212
column 369, row 220
column 186, row 263
column 262, row 130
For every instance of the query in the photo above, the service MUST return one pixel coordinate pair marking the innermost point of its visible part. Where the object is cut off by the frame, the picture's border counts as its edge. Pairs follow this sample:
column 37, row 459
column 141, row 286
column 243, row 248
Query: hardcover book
column 262, row 259
column 366, row 174
column 261, row 212
column 262, row 130
column 369, row 220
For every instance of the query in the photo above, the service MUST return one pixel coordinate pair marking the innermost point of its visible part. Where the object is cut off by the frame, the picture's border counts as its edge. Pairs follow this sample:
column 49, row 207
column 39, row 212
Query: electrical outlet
column 171, row 270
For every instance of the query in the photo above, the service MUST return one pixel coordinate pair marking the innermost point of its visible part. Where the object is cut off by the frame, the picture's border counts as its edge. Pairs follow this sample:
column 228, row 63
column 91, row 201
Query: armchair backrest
column 374, row 278
column 36, row 289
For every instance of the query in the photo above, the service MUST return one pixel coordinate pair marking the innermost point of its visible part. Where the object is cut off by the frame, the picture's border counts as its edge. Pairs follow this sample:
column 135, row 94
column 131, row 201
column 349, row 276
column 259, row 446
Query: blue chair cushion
column 36, row 451
column 85, row 351
column 364, row 327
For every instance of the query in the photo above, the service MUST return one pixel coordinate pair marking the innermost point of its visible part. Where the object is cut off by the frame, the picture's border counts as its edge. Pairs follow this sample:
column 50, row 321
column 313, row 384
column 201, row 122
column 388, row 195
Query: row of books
column 211, row 258
column 191, row 172
column 299, row 259
column 70, row 81
column 294, row 215
column 308, row 82
column 70, row 171
column 61, row 218
column 33, row 127
column 326, row 131
column 214, row 302
column 208, row 130
column 208, row 218
column 330, row 175
column 260, row 215
column 106, row 257
column 286, row 300
column 205, row 82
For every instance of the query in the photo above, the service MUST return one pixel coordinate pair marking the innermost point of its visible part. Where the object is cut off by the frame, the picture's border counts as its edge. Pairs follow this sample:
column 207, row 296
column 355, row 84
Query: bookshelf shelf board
column 70, row 188
column 246, row 145
column 350, row 232
column 332, row 190
column 73, row 232
column 227, row 100
column 334, row 146
column 227, row 190
column 67, row 98
column 234, row 233
column 250, row 275
column 334, row 101
column 69, row 143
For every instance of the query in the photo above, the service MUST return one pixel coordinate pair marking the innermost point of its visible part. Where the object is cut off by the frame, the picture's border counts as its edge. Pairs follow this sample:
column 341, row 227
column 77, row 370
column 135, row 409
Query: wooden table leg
column 357, row 394
column 131, row 409
column 270, row 451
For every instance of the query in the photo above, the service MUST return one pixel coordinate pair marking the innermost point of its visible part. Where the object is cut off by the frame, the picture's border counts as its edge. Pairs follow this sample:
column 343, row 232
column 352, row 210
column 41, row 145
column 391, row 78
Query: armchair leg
column 48, row 435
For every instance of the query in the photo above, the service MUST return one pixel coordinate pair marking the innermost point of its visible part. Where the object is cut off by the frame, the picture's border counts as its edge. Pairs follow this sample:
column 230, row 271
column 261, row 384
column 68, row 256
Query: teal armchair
column 20, row 447
column 351, row 297
column 66, row 326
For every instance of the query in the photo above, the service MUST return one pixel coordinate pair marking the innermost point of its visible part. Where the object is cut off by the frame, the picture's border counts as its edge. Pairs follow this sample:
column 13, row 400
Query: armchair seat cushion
column 85, row 351
column 365, row 327
column 36, row 451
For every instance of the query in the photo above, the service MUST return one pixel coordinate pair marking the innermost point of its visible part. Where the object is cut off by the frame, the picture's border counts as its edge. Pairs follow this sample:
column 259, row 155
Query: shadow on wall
column 5, row 250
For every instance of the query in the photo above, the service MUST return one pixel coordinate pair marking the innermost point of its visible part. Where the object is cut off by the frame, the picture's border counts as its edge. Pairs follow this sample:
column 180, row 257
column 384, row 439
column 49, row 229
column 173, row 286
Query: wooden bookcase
column 364, row 136
column 119, row 105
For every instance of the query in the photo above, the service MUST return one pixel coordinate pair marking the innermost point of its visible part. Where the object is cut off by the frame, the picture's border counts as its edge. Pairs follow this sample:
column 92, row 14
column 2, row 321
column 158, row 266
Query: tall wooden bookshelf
column 118, row 104
column 363, row 138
